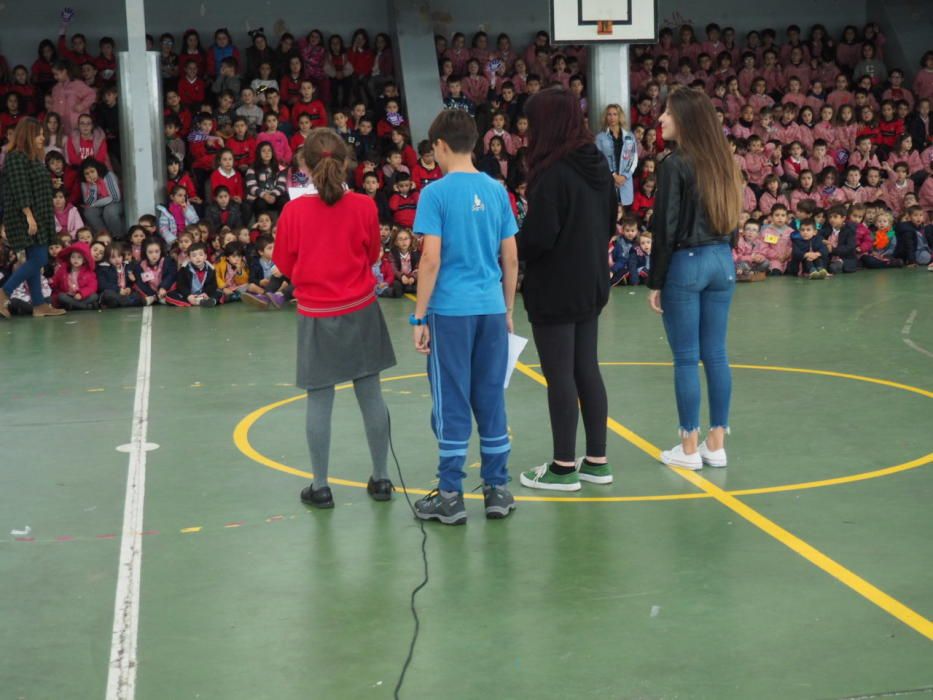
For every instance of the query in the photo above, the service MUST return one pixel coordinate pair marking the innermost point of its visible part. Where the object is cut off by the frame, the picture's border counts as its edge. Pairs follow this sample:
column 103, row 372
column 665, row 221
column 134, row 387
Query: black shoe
column 319, row 498
column 499, row 502
column 380, row 489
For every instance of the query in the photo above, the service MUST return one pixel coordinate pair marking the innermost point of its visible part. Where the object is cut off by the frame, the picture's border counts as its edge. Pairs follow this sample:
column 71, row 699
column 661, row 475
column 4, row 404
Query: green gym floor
column 803, row 570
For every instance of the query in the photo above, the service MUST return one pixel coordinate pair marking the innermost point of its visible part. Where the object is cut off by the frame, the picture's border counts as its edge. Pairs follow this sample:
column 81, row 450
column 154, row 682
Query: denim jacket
column 629, row 161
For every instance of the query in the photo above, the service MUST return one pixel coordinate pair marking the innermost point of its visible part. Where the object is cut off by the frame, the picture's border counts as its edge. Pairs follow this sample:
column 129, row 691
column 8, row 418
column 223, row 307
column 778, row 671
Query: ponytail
column 325, row 155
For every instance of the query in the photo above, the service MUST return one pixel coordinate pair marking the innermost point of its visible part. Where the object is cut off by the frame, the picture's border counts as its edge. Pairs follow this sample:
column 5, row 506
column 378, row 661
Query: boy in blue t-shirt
column 463, row 317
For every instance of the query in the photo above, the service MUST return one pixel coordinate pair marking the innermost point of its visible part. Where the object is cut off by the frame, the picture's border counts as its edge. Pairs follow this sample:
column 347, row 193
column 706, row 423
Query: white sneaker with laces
column 712, row 458
column 676, row 457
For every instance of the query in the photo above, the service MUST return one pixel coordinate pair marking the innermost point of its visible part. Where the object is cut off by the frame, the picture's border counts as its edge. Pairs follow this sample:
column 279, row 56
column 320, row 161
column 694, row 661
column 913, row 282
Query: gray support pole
column 608, row 81
column 417, row 63
column 141, row 132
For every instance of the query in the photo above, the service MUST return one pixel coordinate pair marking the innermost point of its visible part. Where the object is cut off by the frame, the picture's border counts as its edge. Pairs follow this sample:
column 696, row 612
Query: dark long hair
column 555, row 128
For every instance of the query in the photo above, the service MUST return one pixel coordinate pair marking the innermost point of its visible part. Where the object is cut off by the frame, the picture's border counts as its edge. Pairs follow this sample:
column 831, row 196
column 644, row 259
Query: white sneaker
column 712, row 458
column 675, row 457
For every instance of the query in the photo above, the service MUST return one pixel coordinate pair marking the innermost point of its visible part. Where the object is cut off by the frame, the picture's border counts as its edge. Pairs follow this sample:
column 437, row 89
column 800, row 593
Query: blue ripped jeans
column 696, row 298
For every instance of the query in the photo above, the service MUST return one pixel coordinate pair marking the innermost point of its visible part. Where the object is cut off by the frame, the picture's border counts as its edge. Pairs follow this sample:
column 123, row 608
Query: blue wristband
column 416, row 321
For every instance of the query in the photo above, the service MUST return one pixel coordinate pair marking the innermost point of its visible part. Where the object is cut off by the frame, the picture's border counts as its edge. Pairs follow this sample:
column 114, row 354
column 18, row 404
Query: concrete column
column 141, row 131
column 607, row 81
column 416, row 63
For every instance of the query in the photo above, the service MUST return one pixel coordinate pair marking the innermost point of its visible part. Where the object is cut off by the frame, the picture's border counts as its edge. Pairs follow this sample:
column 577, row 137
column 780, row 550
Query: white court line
column 905, row 332
column 121, row 678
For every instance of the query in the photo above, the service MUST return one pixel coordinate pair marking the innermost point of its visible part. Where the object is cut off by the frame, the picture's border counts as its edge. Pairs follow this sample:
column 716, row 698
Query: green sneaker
column 595, row 473
column 543, row 478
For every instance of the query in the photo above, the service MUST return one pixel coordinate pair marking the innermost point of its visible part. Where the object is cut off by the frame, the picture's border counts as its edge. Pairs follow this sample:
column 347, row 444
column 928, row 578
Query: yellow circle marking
column 241, row 440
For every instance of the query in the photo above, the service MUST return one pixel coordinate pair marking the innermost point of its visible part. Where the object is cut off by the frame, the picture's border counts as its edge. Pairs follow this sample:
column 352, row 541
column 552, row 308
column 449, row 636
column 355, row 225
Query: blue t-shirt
column 471, row 214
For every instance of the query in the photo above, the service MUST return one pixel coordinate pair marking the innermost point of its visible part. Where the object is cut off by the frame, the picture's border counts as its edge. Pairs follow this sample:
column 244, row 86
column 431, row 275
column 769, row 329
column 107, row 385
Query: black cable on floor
column 424, row 558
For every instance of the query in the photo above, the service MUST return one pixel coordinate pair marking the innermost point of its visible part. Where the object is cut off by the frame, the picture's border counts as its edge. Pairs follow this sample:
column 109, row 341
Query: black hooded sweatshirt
column 564, row 241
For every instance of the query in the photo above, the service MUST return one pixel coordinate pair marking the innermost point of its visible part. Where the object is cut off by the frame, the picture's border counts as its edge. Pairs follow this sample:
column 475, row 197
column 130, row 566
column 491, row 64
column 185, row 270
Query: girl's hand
column 654, row 300
column 78, row 296
column 162, row 293
column 31, row 226
column 509, row 323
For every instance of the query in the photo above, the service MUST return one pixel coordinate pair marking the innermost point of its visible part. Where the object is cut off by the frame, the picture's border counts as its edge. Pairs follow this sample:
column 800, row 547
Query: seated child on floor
column 750, row 263
column 639, row 259
column 113, row 279
column 809, row 252
column 266, row 284
column 196, row 284
column 232, row 273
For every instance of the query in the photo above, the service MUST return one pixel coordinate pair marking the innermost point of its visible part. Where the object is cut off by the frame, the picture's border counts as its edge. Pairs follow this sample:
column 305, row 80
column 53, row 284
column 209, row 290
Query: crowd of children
column 835, row 149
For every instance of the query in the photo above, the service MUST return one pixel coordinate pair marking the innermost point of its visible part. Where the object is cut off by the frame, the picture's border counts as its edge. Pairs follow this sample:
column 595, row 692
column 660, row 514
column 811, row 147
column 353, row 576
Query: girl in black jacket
column 572, row 205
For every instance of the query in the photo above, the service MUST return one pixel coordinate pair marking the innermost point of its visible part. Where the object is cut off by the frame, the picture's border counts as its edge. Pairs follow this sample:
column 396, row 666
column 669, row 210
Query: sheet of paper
column 516, row 345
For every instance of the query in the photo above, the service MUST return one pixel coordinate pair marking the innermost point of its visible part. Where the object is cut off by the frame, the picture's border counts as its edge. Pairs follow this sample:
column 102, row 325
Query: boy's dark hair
column 369, row 175
column 533, row 78
column 452, row 78
column 778, row 207
column 629, row 220
column 837, row 210
column 229, row 61
column 54, row 155
column 240, row 119
column 807, row 206
column 228, row 93
column 456, row 128
column 173, row 120
column 120, row 248
column 263, row 241
column 149, row 219
column 809, row 223
column 221, row 189
column 915, row 209
column 204, row 117
column 234, row 248
column 196, row 246
column 424, row 147
column 402, row 177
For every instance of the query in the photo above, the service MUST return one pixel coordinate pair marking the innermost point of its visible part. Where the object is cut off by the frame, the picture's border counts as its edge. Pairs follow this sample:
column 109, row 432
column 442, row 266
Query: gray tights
column 368, row 392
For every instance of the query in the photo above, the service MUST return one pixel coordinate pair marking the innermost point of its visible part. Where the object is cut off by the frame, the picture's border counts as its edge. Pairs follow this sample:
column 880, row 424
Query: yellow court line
column 873, row 594
column 241, row 439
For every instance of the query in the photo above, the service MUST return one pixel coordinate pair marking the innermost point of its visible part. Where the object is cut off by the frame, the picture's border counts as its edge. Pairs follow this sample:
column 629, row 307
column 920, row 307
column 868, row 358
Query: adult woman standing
column 571, row 217
column 692, row 274
column 27, row 214
column 70, row 98
column 621, row 151
column 326, row 244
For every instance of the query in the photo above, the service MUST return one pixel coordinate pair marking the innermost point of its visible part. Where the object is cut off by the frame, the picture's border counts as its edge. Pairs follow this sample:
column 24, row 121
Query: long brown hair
column 325, row 155
column 24, row 138
column 702, row 143
column 555, row 128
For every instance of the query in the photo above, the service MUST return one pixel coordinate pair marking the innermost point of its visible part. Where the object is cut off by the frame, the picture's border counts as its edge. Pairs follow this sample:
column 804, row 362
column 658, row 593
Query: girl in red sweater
column 226, row 175
column 644, row 198
column 326, row 244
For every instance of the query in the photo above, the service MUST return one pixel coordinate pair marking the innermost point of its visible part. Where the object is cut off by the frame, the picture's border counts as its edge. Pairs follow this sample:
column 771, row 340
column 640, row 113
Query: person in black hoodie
column 692, row 276
column 572, row 206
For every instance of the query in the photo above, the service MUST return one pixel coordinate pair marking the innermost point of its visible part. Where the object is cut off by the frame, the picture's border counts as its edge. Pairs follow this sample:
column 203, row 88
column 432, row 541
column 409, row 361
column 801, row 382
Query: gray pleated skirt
column 340, row 349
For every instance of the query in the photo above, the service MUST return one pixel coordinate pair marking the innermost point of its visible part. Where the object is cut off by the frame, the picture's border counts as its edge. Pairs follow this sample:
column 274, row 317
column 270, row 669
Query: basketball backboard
column 585, row 21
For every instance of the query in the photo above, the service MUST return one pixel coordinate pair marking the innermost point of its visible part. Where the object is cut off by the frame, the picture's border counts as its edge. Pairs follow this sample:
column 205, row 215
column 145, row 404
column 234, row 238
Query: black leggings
column 569, row 363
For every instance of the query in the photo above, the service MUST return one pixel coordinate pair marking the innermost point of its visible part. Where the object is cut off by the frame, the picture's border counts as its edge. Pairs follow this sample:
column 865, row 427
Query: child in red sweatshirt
column 404, row 202
column 74, row 285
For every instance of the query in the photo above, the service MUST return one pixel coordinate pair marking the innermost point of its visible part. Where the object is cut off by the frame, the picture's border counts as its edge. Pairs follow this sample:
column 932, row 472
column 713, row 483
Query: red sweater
column 328, row 253
column 423, row 177
column 235, row 184
column 191, row 93
column 314, row 109
column 403, row 208
column 244, row 152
